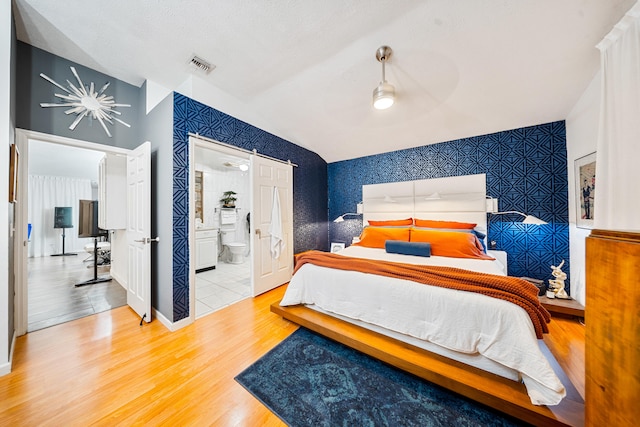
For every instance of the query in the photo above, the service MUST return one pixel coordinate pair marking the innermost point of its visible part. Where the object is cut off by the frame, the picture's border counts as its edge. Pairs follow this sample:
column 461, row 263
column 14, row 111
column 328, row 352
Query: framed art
column 13, row 173
column 585, row 175
column 336, row 247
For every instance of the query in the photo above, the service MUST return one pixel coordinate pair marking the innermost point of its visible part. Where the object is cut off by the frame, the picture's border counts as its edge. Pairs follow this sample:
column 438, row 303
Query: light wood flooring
column 53, row 297
column 107, row 370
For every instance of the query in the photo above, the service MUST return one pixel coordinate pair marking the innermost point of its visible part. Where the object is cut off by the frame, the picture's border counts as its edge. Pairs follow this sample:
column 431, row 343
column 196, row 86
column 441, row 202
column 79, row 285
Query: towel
column 228, row 216
column 275, row 228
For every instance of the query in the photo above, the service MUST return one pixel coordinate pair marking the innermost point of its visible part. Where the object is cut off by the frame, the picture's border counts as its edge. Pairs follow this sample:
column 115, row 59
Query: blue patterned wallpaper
column 309, row 183
column 526, row 170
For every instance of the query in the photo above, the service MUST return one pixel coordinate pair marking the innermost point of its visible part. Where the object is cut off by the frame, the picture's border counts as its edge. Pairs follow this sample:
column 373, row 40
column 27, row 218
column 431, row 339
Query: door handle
column 259, row 233
column 146, row 240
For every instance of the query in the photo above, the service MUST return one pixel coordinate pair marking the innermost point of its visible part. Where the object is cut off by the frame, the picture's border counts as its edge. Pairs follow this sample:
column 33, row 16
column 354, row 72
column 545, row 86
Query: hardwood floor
column 107, row 370
column 53, row 297
column 564, row 348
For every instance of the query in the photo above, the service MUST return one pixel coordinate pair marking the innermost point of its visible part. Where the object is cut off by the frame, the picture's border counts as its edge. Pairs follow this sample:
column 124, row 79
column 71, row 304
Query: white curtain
column 45, row 193
column 617, row 199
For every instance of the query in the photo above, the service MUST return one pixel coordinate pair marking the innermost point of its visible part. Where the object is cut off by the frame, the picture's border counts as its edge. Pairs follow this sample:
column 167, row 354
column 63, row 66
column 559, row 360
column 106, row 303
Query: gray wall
column 157, row 127
column 33, row 90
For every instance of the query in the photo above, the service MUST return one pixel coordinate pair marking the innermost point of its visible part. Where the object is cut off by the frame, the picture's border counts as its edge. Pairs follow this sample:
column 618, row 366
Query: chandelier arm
column 104, row 126
column 47, row 78
column 75, row 73
column 76, row 121
column 120, row 121
column 106, row 85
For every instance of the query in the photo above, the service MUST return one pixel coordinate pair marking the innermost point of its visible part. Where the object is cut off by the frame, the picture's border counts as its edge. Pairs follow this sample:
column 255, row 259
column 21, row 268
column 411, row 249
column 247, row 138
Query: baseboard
column 5, row 368
column 118, row 279
column 169, row 324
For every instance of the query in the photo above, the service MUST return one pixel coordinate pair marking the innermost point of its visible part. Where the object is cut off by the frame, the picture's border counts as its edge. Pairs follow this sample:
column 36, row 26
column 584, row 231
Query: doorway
column 257, row 184
column 69, row 264
column 222, row 230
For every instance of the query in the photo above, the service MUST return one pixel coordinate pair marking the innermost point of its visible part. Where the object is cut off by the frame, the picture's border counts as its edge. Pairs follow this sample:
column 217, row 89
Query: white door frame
column 21, row 315
column 223, row 149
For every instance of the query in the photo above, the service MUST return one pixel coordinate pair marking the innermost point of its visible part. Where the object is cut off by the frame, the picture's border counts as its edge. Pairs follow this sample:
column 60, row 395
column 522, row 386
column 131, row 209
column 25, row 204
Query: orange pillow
column 408, row 221
column 444, row 224
column 450, row 243
column 376, row 237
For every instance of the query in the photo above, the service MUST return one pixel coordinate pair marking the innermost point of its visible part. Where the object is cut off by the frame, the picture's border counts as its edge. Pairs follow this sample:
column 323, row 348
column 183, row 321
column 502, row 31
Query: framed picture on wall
column 585, row 173
column 336, row 247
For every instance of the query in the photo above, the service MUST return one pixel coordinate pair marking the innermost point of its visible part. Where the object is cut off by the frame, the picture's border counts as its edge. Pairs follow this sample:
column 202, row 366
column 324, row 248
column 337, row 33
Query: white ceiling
column 219, row 161
column 305, row 70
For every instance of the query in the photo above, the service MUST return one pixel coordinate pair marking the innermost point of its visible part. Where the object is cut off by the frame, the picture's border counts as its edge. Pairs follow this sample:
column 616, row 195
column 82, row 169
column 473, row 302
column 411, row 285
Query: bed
column 488, row 334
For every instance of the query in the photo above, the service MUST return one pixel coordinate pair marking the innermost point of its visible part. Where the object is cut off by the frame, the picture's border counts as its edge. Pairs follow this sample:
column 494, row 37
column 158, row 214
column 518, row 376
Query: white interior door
column 139, row 230
column 268, row 272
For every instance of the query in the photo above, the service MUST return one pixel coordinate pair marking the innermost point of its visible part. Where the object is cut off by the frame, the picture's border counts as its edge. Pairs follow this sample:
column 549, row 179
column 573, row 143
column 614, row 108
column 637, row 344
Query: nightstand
column 562, row 307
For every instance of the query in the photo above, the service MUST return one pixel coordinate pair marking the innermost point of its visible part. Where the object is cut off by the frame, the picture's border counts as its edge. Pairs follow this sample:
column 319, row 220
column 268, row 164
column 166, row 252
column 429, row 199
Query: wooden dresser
column 612, row 334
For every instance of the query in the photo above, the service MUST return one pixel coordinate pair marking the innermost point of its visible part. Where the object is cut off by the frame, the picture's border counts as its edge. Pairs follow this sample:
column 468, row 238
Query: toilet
column 236, row 249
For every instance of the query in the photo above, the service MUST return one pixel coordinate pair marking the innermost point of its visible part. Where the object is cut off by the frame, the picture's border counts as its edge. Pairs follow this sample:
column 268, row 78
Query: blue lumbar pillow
column 408, row 248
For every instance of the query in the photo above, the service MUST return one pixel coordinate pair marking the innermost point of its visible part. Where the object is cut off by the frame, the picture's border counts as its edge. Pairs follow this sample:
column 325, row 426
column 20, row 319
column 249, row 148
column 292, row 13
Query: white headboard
column 458, row 198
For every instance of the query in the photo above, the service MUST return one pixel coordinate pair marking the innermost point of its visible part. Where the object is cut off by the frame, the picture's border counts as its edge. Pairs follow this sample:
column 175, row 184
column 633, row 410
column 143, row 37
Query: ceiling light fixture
column 385, row 94
column 242, row 166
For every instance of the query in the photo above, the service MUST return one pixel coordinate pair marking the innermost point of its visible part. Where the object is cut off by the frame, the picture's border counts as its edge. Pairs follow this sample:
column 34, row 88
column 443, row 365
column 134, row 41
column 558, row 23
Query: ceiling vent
column 201, row 65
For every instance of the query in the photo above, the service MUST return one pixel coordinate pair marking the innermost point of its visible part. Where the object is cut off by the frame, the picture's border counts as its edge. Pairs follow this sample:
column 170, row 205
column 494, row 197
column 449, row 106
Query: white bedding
column 460, row 321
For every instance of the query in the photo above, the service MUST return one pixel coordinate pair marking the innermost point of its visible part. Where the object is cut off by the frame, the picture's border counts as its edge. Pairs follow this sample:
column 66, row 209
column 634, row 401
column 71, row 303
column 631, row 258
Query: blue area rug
column 309, row 380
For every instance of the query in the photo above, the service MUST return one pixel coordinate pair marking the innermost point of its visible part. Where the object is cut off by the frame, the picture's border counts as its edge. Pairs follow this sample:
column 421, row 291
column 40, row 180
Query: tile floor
column 227, row 284
column 53, row 297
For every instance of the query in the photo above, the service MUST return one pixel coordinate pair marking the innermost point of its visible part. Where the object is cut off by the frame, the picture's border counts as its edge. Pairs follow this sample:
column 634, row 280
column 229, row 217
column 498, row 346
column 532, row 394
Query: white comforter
column 461, row 321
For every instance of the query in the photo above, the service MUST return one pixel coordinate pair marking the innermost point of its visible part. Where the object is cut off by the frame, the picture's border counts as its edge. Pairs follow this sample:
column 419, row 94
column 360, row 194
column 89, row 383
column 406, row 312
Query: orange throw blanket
column 512, row 289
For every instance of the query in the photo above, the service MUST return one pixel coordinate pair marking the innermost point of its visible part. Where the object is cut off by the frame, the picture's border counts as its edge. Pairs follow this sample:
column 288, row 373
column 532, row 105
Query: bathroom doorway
column 222, row 213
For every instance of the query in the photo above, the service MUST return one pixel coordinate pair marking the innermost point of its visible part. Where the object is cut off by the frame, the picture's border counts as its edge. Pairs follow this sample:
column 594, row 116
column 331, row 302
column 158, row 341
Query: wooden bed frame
column 489, row 389
column 460, row 198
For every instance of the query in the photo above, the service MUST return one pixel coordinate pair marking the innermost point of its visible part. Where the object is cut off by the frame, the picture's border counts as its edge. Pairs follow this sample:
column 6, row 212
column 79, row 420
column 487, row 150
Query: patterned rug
column 309, row 380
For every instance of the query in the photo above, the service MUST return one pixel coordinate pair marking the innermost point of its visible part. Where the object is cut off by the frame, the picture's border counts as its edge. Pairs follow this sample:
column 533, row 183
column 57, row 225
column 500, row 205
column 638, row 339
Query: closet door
column 112, row 187
column 269, row 272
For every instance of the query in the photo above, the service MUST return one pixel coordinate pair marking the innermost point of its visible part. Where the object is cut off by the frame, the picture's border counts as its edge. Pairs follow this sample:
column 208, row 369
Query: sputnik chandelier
column 83, row 102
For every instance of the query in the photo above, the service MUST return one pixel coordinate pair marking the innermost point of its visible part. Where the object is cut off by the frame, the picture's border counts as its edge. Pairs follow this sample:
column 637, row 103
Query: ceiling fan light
column 383, row 96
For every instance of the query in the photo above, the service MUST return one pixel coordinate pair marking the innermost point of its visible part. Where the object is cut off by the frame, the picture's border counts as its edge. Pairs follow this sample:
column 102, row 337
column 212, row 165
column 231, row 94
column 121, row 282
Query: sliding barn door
column 269, row 272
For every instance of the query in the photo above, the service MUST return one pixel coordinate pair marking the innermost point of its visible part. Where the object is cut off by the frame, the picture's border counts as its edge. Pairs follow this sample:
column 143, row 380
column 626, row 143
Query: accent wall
column 526, row 171
column 309, row 183
column 34, row 89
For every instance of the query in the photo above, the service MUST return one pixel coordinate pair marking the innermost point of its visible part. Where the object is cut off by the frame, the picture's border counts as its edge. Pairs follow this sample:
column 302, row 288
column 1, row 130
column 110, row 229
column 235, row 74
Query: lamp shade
column 383, row 96
column 341, row 217
column 530, row 219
